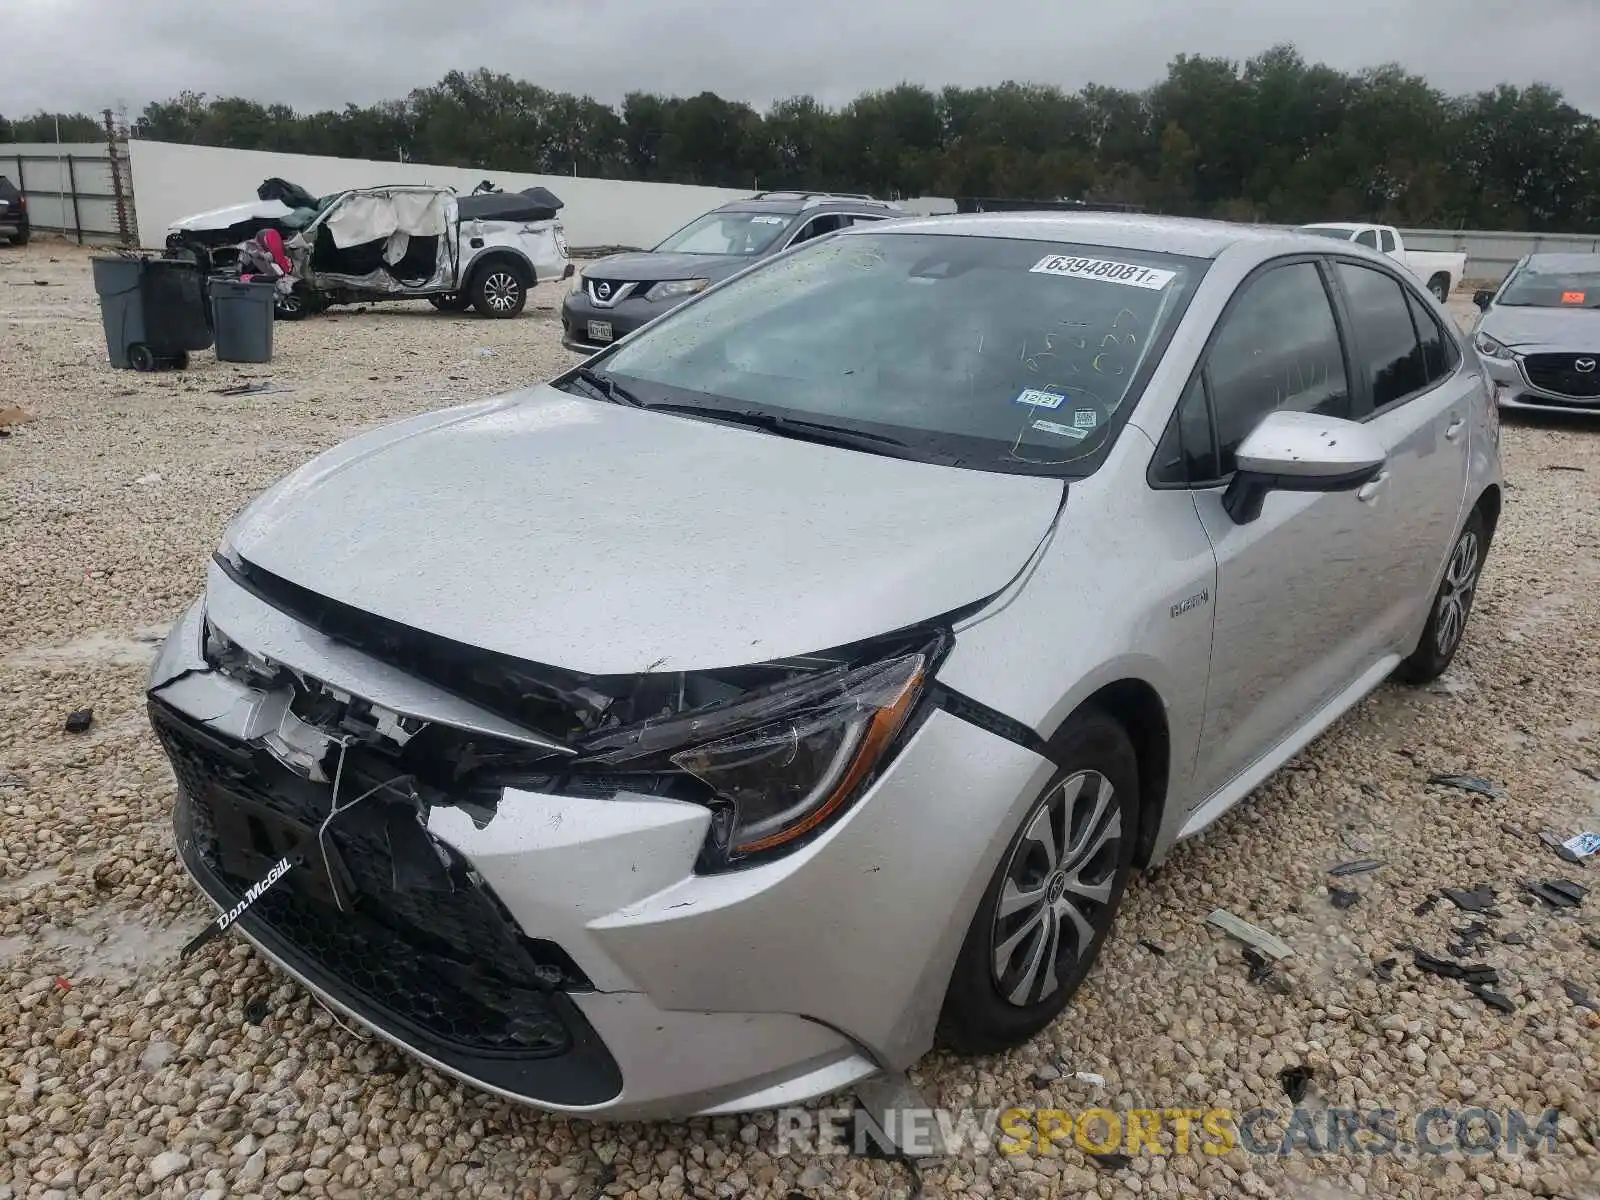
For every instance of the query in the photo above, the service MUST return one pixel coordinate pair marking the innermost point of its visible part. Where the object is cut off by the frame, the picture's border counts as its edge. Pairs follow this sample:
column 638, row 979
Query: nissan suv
column 616, row 295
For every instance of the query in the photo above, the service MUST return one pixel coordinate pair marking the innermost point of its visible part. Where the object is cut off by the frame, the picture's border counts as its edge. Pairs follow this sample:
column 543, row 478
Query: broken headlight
column 786, row 777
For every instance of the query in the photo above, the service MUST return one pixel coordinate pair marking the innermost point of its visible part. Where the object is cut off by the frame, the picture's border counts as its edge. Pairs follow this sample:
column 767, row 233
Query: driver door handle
column 1453, row 430
column 1370, row 489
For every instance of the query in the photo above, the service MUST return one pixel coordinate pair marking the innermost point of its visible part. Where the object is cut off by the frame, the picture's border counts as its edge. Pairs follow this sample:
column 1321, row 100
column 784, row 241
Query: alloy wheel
column 1058, row 888
column 1455, row 597
column 500, row 291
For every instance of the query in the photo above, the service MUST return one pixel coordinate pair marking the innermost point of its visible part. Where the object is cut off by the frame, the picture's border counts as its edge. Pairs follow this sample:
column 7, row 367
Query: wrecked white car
column 402, row 242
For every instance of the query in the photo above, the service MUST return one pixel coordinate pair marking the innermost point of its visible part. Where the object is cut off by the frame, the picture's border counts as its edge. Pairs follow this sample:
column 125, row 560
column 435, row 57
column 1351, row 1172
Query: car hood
column 610, row 540
column 222, row 218
column 1574, row 329
column 647, row 265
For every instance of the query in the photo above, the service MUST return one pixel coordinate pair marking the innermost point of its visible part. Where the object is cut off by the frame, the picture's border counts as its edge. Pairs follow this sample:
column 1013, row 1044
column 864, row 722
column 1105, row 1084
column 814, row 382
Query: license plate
column 599, row 331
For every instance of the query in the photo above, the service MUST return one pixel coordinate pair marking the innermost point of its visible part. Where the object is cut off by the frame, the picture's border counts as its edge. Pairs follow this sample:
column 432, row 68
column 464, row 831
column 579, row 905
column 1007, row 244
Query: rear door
column 1415, row 390
column 1295, row 612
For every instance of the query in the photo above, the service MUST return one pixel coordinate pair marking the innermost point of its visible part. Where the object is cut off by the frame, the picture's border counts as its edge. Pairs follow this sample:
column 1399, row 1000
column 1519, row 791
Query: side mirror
column 1483, row 299
column 1300, row 452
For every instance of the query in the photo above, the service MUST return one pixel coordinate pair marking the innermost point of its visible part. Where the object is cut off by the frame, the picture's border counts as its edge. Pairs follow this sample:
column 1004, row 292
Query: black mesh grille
column 1561, row 374
column 420, row 939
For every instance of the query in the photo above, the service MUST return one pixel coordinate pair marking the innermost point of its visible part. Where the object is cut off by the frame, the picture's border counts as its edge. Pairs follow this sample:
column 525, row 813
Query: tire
column 1439, row 285
column 1452, row 605
column 450, row 302
column 141, row 357
column 292, row 307
column 1001, row 991
column 500, row 289
column 21, row 239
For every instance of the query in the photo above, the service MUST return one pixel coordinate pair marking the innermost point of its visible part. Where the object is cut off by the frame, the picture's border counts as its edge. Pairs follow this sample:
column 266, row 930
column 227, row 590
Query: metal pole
column 72, row 182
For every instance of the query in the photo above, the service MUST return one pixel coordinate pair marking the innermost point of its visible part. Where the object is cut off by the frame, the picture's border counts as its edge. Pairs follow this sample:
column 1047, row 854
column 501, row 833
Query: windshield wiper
column 608, row 387
column 795, row 427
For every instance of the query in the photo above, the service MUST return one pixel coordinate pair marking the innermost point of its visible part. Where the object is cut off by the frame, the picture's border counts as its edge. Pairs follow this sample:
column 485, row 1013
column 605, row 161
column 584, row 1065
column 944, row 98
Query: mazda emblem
column 1586, row 365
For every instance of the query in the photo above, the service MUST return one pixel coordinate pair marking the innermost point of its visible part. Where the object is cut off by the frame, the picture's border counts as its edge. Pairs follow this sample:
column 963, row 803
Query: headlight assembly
column 1490, row 348
column 786, row 777
column 673, row 288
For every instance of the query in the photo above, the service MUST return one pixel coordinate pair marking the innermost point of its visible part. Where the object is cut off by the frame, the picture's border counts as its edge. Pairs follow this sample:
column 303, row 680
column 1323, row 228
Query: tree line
column 1273, row 138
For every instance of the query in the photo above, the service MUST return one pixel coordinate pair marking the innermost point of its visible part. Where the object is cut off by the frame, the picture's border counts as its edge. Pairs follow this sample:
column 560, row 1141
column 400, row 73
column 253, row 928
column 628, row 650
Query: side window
column 1388, row 240
column 1368, row 237
column 1188, row 453
column 1438, row 348
column 818, row 226
column 1385, row 346
column 1278, row 347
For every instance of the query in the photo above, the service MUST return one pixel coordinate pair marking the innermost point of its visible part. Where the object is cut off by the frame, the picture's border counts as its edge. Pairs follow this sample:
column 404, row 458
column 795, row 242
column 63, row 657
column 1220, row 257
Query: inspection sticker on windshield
column 1103, row 269
column 1060, row 430
column 1039, row 398
column 769, row 220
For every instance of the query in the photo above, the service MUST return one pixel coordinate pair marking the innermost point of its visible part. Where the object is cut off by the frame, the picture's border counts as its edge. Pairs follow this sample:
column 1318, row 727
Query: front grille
column 619, row 289
column 1560, row 373
column 420, row 940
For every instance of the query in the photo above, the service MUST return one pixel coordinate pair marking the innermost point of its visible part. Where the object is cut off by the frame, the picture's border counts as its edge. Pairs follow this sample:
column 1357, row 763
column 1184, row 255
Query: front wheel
column 500, row 290
column 1452, row 604
column 1439, row 285
column 1051, row 901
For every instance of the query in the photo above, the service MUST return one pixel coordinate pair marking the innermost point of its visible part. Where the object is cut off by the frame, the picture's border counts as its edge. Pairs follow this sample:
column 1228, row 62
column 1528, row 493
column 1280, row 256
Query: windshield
column 998, row 353
column 1540, row 286
column 727, row 233
column 1338, row 235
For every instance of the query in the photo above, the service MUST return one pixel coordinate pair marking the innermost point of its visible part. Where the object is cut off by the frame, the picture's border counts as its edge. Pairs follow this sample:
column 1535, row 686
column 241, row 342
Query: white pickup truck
column 1441, row 271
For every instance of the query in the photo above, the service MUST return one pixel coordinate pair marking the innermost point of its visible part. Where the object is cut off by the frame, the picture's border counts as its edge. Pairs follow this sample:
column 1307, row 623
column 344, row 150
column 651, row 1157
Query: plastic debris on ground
column 1111, row 1162
column 1090, row 1078
column 1578, row 995
column 1563, row 467
column 255, row 1012
column 1449, row 968
column 1469, row 783
column 1158, row 951
column 1492, row 999
column 1426, row 907
column 1340, row 898
column 251, row 389
column 1294, row 1080
column 1479, row 900
column 1384, row 971
column 79, row 721
column 1359, row 866
column 1559, row 893
column 1250, row 935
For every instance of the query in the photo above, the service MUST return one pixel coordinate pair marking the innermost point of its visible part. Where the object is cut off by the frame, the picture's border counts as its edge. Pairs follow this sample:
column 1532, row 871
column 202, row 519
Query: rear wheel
column 290, row 306
column 1452, row 604
column 141, row 357
column 500, row 289
column 1439, row 285
column 1051, row 901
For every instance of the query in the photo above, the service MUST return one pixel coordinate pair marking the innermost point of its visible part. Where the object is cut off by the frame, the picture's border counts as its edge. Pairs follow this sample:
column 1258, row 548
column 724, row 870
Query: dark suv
column 13, row 213
column 616, row 295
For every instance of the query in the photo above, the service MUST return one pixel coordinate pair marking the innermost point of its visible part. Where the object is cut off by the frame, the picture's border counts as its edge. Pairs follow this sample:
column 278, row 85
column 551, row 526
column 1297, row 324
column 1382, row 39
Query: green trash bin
column 241, row 315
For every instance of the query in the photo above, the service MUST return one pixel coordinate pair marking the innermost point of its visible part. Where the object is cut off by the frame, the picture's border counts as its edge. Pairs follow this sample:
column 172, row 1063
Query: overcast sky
column 88, row 54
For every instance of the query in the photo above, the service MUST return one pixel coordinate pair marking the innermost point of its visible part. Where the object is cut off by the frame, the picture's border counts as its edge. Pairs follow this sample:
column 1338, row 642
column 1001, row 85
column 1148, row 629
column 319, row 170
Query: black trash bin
column 153, row 309
column 242, row 314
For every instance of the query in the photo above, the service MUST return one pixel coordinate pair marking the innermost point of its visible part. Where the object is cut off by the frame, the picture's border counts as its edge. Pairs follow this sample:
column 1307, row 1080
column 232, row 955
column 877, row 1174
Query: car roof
column 1564, row 262
column 1188, row 236
column 792, row 203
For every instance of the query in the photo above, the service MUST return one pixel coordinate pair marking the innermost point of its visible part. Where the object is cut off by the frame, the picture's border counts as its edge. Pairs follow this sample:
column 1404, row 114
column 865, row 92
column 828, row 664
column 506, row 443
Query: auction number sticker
column 1104, row 270
column 1040, row 398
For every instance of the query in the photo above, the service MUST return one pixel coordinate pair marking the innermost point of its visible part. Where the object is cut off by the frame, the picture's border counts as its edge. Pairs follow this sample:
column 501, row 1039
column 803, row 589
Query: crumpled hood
column 647, row 265
column 234, row 214
column 1575, row 329
column 609, row 540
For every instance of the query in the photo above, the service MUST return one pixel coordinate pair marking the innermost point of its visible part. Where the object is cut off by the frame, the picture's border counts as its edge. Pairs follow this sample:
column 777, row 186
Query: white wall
column 172, row 181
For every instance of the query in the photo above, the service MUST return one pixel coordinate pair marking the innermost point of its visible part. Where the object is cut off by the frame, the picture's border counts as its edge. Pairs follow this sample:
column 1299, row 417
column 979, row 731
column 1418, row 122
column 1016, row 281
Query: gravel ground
column 124, row 1072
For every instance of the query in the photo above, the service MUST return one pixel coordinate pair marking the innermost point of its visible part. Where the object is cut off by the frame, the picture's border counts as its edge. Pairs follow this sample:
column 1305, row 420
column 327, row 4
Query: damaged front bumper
column 562, row 950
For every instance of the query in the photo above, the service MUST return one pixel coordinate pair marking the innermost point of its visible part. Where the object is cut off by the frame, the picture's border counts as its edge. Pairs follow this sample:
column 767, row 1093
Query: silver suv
column 612, row 297
column 805, row 678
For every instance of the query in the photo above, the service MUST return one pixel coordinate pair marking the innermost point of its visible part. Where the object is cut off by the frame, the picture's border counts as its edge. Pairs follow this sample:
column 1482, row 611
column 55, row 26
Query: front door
column 1296, row 612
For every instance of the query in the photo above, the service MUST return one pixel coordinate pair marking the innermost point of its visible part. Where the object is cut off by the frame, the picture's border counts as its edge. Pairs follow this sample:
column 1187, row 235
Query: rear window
column 1005, row 353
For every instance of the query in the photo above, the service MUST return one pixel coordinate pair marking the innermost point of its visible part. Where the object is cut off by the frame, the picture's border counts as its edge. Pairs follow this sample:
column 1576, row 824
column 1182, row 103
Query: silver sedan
column 1539, row 334
column 802, row 679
